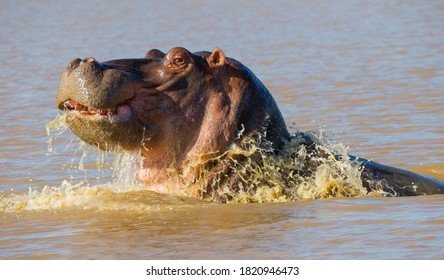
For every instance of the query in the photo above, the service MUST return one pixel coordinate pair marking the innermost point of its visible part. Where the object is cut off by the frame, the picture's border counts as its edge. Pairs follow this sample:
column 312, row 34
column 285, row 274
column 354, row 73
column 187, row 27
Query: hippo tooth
column 72, row 105
column 68, row 105
column 88, row 112
column 104, row 112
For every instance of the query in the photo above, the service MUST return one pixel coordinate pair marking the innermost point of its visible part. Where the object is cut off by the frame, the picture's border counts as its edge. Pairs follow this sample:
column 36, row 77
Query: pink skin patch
column 123, row 111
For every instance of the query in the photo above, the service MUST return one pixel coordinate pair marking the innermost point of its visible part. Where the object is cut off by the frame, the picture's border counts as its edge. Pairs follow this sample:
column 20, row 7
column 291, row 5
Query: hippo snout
column 94, row 84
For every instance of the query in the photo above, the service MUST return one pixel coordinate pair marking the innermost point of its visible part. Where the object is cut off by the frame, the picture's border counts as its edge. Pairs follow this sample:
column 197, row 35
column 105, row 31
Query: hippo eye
column 178, row 60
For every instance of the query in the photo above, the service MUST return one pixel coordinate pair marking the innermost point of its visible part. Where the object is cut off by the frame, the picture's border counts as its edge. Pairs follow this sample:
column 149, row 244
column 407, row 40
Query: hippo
column 186, row 114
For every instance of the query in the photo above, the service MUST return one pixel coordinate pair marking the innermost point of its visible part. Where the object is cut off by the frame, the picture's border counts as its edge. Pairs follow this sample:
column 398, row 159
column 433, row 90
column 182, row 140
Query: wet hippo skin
column 180, row 111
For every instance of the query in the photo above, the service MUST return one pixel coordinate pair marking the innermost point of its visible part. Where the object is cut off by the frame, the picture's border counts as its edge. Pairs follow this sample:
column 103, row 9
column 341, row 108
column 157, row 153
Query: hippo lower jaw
column 108, row 129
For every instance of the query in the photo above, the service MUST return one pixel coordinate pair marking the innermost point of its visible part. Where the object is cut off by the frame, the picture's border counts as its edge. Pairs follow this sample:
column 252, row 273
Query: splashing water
column 297, row 172
column 86, row 194
column 252, row 174
column 120, row 163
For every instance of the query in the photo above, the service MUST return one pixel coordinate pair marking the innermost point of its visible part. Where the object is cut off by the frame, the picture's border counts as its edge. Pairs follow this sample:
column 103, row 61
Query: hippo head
column 170, row 108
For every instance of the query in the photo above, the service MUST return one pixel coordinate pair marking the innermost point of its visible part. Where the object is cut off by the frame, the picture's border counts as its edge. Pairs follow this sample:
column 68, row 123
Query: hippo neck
column 266, row 121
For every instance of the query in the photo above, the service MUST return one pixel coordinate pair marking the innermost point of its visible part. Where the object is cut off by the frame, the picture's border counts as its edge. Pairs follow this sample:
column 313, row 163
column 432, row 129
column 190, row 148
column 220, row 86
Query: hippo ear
column 154, row 53
column 217, row 58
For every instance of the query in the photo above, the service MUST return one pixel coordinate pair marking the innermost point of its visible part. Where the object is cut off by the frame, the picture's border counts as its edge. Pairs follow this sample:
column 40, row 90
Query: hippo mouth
column 106, row 128
column 71, row 105
column 121, row 111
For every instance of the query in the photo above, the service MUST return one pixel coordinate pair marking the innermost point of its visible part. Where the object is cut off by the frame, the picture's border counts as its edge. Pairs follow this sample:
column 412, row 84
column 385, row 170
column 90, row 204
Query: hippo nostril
column 74, row 63
column 91, row 63
column 89, row 59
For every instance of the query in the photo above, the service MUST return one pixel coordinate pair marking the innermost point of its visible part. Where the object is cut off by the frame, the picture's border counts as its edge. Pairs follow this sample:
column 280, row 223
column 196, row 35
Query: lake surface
column 370, row 74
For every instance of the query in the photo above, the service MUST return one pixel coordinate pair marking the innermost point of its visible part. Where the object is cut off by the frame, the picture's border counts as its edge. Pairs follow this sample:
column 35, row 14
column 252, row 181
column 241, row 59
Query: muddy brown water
column 370, row 74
